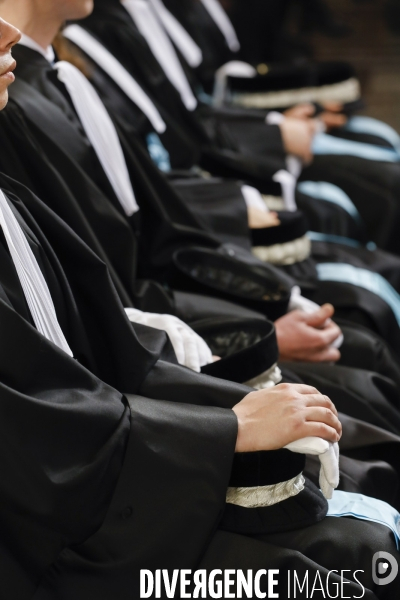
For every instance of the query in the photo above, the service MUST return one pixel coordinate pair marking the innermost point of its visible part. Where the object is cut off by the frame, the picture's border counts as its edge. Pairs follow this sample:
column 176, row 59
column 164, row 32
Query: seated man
column 239, row 143
column 62, row 150
column 88, row 470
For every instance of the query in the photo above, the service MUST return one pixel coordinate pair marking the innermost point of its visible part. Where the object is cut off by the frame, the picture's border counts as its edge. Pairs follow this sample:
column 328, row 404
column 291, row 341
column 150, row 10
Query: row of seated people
column 135, row 205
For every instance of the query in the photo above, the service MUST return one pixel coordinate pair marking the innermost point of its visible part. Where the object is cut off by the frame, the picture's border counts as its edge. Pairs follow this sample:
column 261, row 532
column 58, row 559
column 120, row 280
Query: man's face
column 9, row 36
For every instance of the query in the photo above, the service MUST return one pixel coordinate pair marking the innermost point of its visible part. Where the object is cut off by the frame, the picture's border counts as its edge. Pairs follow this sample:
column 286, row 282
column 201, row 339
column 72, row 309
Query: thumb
column 318, row 318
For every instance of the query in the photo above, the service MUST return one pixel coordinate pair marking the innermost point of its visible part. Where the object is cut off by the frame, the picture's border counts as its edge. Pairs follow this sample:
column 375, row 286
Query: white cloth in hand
column 298, row 302
column 190, row 349
column 328, row 454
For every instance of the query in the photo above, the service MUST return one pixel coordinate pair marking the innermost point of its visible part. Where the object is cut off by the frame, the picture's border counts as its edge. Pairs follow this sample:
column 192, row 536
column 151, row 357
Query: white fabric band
column 161, row 46
column 101, row 132
column 287, row 253
column 345, row 91
column 266, row 380
column 267, row 495
column 117, row 72
column 33, row 283
column 178, row 34
column 223, row 22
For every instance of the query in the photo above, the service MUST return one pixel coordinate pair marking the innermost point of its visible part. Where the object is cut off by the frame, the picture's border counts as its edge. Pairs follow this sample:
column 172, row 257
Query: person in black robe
column 376, row 358
column 84, row 493
column 238, row 144
column 383, row 366
column 44, row 83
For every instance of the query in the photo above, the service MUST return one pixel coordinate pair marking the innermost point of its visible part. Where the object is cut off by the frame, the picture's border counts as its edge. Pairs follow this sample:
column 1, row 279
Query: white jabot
column 101, row 132
column 253, row 198
column 288, row 185
column 152, row 29
column 48, row 53
column 178, row 34
column 328, row 454
column 223, row 22
column 190, row 349
column 33, row 283
column 234, row 68
column 293, row 163
column 117, row 72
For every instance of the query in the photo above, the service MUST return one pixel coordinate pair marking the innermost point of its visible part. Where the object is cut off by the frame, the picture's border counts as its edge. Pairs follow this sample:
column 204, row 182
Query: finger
column 321, row 401
column 321, row 414
column 321, row 430
column 333, row 120
column 319, row 317
column 301, row 388
column 333, row 106
column 329, row 334
column 308, row 109
column 314, row 126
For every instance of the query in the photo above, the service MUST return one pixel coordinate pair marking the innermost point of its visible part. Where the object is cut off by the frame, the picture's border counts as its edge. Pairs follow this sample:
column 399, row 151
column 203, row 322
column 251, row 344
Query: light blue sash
column 158, row 153
column 374, row 282
column 328, row 144
column 346, row 504
column 374, row 127
column 329, row 193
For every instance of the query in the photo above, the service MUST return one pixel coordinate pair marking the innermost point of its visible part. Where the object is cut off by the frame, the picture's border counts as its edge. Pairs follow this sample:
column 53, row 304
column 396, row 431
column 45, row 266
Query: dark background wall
column 373, row 49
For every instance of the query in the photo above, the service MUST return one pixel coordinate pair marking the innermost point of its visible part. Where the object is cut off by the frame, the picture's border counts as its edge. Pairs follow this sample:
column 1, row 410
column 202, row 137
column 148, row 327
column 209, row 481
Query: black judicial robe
column 238, row 136
column 169, row 225
column 217, row 206
column 217, row 203
column 231, row 140
column 361, row 394
column 84, row 493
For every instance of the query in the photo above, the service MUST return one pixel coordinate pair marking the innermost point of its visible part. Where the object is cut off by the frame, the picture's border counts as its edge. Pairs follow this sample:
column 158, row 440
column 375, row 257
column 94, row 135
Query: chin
column 3, row 99
column 80, row 9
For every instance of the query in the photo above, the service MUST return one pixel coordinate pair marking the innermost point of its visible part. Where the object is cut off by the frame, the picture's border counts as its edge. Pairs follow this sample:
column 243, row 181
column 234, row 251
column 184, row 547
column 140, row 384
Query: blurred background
column 363, row 32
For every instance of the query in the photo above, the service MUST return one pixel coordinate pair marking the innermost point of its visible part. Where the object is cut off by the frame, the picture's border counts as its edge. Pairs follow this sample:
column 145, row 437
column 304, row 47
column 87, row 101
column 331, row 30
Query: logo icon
column 384, row 568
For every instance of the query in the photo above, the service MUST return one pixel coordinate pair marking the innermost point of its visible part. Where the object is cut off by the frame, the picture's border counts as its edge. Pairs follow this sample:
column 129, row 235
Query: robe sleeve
column 71, row 445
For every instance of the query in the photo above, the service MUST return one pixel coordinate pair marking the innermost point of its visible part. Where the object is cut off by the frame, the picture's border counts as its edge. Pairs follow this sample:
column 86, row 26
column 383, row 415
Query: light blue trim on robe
column 325, row 144
column 158, row 152
column 368, row 280
column 347, row 504
column 322, row 190
column 316, row 236
column 374, row 127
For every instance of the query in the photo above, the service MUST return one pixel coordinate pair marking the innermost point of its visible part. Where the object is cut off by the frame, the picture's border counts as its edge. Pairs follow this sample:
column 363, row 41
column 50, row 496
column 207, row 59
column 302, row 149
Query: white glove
column 328, row 454
column 190, row 349
column 298, row 302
